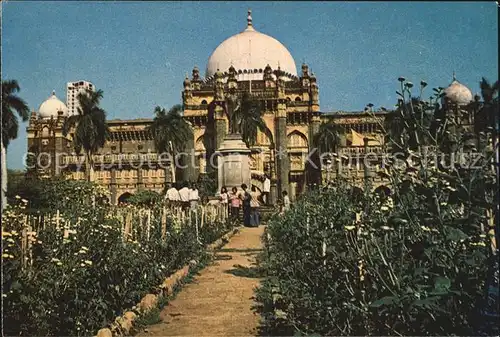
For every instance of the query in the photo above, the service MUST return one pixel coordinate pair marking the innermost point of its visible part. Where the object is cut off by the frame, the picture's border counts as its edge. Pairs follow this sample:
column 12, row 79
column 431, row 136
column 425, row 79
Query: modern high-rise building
column 72, row 91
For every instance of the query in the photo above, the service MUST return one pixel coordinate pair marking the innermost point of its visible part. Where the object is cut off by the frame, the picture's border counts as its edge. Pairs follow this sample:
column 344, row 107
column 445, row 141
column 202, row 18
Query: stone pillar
column 113, row 186
column 168, row 174
column 282, row 160
column 293, row 190
column 140, row 183
column 234, row 163
column 314, row 173
column 220, row 133
column 273, row 192
column 58, row 148
column 189, row 163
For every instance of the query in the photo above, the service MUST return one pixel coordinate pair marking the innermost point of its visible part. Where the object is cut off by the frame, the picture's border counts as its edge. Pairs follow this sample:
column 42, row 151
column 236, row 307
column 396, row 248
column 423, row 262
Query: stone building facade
column 250, row 63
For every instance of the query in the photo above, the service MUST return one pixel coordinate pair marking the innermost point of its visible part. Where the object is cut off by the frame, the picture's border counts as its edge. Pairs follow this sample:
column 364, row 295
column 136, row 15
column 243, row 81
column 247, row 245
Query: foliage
column 170, row 128
column 207, row 185
column 79, row 282
column 145, row 198
column 89, row 128
column 415, row 263
column 12, row 104
column 250, row 116
column 56, row 193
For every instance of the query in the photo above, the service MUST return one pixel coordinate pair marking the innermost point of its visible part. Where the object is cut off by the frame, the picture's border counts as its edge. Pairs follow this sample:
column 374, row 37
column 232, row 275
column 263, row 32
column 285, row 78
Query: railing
column 114, row 158
column 137, row 224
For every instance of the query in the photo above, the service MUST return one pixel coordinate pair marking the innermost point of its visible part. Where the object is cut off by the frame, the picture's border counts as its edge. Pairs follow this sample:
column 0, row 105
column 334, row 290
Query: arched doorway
column 382, row 191
column 124, row 197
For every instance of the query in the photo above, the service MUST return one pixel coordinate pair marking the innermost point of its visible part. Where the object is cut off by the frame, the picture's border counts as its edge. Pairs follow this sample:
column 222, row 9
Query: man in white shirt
column 184, row 196
column 266, row 189
column 194, row 196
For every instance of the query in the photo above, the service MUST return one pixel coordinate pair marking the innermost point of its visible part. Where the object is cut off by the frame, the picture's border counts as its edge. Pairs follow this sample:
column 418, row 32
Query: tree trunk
column 4, row 175
column 88, row 166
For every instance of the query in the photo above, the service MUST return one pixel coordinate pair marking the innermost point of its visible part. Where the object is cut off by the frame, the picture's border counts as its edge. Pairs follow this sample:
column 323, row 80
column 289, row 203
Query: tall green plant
column 88, row 127
column 11, row 105
column 171, row 132
column 250, row 116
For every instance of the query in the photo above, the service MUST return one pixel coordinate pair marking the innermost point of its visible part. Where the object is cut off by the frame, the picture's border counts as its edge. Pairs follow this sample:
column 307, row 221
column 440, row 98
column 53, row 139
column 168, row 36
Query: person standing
column 286, row 201
column 194, row 197
column 266, row 189
column 184, row 194
column 254, row 207
column 172, row 197
column 246, row 197
column 234, row 198
column 224, row 200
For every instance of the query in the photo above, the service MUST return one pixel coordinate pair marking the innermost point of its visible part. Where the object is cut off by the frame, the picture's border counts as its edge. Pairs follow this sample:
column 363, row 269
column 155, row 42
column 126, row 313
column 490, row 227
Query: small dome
column 250, row 50
column 457, row 93
column 52, row 107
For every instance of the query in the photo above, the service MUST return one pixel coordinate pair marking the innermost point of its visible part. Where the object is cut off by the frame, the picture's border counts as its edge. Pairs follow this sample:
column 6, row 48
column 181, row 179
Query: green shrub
column 77, row 284
column 415, row 263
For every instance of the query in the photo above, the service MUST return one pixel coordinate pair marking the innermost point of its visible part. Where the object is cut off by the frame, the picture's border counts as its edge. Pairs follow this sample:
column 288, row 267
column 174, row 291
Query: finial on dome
column 53, row 92
column 249, row 18
column 454, row 76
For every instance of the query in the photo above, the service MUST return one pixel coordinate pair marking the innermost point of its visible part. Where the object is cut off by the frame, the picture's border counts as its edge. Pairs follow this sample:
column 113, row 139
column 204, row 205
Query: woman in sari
column 254, row 207
column 246, row 197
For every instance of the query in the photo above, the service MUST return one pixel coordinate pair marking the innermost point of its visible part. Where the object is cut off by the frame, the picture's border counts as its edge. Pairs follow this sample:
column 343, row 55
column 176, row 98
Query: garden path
column 220, row 299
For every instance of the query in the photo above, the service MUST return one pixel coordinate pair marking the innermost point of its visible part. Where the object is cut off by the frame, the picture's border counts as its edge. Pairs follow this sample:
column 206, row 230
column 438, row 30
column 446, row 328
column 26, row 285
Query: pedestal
column 233, row 164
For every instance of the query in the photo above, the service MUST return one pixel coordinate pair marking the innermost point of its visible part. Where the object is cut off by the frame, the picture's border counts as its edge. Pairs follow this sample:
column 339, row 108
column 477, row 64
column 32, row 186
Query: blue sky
column 139, row 53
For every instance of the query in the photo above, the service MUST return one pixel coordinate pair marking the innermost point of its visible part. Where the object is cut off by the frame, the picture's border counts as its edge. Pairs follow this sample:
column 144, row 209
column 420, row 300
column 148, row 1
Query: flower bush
column 81, row 276
column 412, row 263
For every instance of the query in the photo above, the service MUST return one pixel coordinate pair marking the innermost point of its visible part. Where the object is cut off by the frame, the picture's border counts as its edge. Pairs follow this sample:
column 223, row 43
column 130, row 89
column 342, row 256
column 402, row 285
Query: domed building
column 261, row 67
column 457, row 94
column 52, row 108
column 248, row 64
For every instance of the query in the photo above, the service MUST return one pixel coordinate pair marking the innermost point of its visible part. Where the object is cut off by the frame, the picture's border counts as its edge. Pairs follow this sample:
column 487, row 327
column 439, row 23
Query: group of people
column 248, row 201
column 185, row 196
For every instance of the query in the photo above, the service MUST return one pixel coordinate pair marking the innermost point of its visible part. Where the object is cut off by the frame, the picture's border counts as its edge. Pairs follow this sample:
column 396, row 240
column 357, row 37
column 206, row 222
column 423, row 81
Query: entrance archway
column 124, row 197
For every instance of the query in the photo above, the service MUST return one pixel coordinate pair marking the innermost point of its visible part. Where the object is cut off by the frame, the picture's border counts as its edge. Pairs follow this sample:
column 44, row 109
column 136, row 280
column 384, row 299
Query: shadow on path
column 242, row 271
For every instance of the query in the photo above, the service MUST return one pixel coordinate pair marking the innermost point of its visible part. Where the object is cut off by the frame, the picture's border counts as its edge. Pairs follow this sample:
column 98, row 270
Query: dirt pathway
column 219, row 301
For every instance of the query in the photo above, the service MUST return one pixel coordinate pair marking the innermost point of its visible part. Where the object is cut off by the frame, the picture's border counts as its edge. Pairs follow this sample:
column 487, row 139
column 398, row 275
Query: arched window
column 204, row 102
column 298, row 99
column 297, row 139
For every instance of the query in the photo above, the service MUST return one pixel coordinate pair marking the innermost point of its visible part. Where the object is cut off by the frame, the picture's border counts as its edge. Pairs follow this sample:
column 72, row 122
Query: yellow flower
column 425, row 228
column 59, row 263
column 4, row 234
column 6, row 256
column 88, row 262
column 349, row 228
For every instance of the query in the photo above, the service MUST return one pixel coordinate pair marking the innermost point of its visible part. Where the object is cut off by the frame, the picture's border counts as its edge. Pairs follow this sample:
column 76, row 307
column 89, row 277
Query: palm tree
column 171, row 132
column 89, row 127
column 486, row 119
column 250, row 120
column 325, row 140
column 11, row 104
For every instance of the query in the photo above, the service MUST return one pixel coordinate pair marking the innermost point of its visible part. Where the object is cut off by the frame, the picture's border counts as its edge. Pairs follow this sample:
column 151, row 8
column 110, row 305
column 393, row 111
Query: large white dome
column 52, row 107
column 457, row 93
column 250, row 52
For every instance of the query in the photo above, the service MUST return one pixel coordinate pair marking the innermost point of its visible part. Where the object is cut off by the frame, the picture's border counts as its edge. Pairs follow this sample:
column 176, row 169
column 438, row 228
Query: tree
column 11, row 104
column 89, row 127
column 250, row 119
column 325, row 140
column 170, row 130
column 486, row 118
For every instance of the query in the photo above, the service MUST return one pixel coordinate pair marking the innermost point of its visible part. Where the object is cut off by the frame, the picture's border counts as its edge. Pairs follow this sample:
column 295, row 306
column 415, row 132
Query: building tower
column 255, row 65
column 72, row 91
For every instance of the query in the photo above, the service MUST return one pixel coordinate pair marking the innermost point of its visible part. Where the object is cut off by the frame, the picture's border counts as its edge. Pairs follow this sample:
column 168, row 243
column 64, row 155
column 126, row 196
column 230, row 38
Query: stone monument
column 234, row 160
